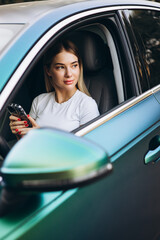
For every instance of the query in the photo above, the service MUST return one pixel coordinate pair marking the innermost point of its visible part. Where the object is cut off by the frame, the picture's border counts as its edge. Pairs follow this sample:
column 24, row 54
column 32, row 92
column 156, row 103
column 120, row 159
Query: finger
column 18, row 123
column 15, row 121
column 33, row 122
column 20, row 131
column 24, row 131
column 14, row 118
column 12, row 126
column 19, row 127
column 16, row 131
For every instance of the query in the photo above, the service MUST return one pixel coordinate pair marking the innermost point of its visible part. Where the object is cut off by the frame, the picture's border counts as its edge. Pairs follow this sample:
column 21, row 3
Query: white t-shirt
column 69, row 115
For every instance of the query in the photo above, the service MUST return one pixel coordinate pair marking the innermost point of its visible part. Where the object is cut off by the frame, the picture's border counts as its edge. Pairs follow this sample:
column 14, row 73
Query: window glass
column 142, row 81
column 146, row 26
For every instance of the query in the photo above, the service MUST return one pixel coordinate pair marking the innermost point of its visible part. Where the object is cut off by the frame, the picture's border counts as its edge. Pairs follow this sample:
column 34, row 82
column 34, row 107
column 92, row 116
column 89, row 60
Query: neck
column 62, row 97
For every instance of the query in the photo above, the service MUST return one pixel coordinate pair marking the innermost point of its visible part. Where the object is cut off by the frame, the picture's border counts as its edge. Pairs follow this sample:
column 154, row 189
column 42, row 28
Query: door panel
column 124, row 205
column 117, row 133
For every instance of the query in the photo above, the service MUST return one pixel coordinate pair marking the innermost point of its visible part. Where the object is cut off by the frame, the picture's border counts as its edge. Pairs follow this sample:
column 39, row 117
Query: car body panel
column 41, row 206
column 115, row 134
column 113, row 214
column 121, row 144
column 99, row 213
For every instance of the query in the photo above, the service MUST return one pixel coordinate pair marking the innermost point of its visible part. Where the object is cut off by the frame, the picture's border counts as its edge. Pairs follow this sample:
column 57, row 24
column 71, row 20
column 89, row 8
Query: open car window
column 107, row 74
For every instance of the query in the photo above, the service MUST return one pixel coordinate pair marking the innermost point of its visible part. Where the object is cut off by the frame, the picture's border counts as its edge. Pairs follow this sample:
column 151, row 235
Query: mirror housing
column 47, row 159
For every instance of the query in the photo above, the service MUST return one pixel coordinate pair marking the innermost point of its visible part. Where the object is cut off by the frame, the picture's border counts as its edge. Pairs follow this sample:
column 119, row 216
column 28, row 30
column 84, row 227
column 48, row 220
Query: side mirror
column 48, row 159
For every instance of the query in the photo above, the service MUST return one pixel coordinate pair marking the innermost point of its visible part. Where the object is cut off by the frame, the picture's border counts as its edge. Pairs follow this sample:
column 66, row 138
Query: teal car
column 100, row 181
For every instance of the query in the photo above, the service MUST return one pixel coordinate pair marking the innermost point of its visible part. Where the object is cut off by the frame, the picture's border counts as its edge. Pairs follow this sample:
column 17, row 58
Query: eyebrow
column 64, row 64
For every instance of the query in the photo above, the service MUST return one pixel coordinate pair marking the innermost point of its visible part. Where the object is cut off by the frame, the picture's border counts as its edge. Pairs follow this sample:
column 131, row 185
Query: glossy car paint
column 63, row 158
column 78, row 211
column 119, row 133
column 39, row 208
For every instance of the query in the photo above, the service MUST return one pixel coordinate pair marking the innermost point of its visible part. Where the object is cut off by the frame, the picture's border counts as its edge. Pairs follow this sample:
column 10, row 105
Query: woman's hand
column 20, row 127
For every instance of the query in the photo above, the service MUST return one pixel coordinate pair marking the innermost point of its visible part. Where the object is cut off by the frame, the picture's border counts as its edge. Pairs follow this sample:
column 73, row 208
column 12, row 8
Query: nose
column 68, row 72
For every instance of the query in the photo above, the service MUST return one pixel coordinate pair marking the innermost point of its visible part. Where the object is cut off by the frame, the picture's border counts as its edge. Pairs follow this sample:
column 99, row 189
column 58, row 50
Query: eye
column 59, row 67
column 75, row 65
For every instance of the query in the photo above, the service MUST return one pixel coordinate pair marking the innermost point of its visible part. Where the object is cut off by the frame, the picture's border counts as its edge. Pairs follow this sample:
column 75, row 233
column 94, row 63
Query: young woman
column 67, row 103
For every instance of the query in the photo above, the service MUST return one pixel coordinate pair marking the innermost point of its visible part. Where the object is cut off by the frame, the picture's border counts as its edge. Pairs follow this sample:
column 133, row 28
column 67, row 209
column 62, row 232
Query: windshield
column 7, row 33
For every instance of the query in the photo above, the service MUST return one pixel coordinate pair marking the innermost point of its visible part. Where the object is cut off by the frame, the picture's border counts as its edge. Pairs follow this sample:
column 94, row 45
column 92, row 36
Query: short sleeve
column 33, row 110
column 88, row 110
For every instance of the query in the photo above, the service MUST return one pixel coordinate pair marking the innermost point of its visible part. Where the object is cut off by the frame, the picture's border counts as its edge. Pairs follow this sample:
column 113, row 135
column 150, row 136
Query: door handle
column 153, row 155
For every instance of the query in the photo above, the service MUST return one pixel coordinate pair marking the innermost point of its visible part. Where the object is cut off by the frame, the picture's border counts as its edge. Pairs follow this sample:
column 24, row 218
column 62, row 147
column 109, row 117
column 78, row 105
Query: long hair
column 52, row 52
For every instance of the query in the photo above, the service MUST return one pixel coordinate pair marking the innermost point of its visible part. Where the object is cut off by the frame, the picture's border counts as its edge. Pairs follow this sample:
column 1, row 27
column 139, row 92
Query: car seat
column 98, row 68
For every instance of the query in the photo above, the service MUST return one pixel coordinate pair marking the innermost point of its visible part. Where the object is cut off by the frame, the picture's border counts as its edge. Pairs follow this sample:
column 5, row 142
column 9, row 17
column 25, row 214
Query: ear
column 47, row 70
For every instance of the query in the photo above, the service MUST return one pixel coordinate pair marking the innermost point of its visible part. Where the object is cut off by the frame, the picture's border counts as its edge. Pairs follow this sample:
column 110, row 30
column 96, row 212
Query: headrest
column 94, row 53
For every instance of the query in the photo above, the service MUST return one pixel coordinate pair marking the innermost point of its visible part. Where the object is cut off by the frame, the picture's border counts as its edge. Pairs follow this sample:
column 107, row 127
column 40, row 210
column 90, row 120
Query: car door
column 126, row 204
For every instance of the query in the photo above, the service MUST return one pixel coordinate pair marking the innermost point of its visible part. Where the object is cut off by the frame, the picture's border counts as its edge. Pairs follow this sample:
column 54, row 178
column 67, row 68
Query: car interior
column 102, row 75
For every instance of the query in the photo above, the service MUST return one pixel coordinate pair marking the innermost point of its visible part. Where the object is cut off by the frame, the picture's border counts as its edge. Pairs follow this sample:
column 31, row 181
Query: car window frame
column 43, row 41
column 53, row 34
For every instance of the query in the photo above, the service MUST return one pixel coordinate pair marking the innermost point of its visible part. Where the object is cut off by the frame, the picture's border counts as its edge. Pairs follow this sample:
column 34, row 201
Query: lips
column 68, row 82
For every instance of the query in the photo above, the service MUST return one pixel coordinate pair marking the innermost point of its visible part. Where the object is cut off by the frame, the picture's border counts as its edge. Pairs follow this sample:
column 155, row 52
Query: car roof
column 28, row 12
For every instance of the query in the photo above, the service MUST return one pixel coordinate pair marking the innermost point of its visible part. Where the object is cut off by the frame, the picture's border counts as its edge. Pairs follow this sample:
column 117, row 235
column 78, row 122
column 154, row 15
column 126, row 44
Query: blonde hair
column 52, row 52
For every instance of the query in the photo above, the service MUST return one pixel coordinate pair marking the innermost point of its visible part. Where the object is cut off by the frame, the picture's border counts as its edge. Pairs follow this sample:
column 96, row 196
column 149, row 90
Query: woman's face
column 64, row 71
